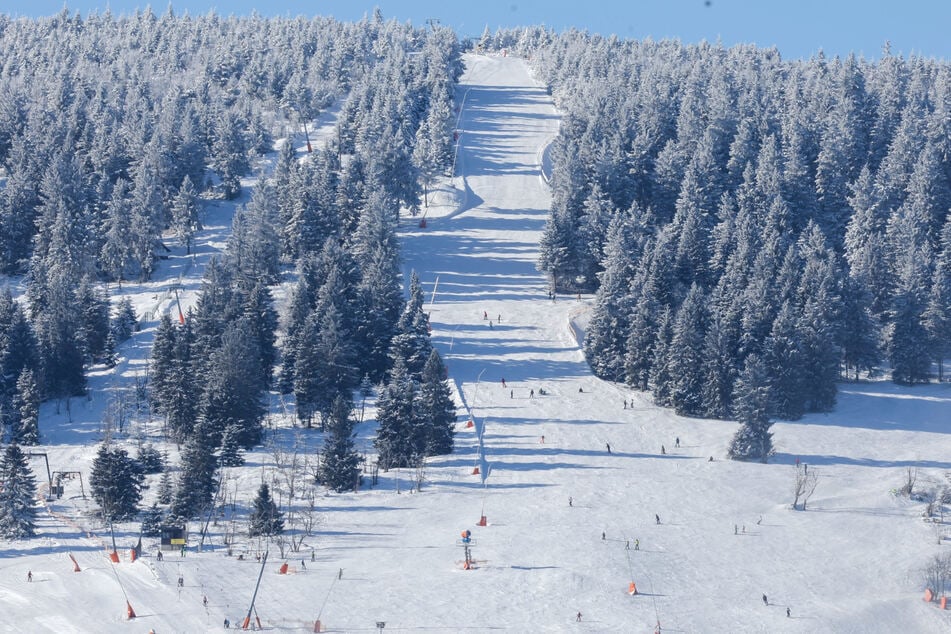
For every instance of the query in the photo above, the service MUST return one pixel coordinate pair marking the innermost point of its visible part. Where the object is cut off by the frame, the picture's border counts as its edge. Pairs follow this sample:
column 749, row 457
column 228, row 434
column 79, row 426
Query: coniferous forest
column 739, row 215
column 754, row 229
column 114, row 131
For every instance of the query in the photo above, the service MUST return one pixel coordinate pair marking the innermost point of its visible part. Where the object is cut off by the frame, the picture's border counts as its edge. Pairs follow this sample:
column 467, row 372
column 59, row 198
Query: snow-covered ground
column 851, row 563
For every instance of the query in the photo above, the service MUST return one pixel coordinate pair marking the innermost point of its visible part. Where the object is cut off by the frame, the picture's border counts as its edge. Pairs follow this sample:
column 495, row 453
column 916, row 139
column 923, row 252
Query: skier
column 765, row 600
column 181, row 582
column 29, row 575
column 570, row 501
column 627, row 545
column 657, row 518
column 500, row 319
column 485, row 314
column 503, row 381
column 579, row 617
column 160, row 556
column 340, row 574
column 303, row 566
column 677, row 442
column 512, row 394
column 788, row 613
column 531, row 393
column 603, row 535
column 312, row 556
column 625, row 403
column 608, row 445
column 663, row 451
column 227, row 624
column 736, row 529
column 204, row 600
column 637, row 544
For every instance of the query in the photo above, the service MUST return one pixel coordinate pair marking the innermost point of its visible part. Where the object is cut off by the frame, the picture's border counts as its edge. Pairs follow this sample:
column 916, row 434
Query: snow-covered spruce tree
column 150, row 459
column 27, row 404
column 435, row 408
column 396, row 421
column 229, row 455
column 162, row 365
column 340, row 463
column 233, row 389
column 181, row 390
column 185, row 220
column 686, row 353
column 265, row 519
column 152, row 520
column 937, row 316
column 609, row 328
column 661, row 378
column 197, row 481
column 412, row 343
column 751, row 401
column 165, row 489
column 116, row 483
column 17, row 495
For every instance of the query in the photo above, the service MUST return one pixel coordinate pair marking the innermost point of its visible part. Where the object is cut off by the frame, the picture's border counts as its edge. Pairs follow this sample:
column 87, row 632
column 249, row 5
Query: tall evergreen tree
column 396, row 421
column 197, row 481
column 27, row 404
column 265, row 519
column 340, row 463
column 411, row 343
column 116, row 483
column 17, row 495
column 435, row 408
column 686, row 354
column 751, row 402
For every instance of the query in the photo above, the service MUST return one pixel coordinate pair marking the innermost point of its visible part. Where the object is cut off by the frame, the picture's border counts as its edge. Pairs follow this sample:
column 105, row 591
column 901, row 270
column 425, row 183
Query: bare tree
column 806, row 482
column 936, row 574
column 910, row 479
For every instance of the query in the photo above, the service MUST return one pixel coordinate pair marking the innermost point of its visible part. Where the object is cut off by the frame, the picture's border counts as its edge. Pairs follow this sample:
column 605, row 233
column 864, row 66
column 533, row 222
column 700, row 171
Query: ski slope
column 851, row 563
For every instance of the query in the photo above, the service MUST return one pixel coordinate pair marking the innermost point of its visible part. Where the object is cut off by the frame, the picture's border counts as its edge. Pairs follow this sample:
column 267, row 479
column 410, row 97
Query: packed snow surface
column 569, row 524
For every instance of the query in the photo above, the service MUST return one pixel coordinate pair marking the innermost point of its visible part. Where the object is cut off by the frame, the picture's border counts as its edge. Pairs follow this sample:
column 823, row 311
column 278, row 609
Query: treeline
column 738, row 212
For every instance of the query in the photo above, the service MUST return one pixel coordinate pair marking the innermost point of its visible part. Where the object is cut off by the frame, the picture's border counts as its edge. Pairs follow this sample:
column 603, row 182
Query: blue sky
column 798, row 28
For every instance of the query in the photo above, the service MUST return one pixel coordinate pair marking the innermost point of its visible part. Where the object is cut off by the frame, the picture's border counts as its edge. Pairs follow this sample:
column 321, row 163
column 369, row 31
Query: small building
column 173, row 537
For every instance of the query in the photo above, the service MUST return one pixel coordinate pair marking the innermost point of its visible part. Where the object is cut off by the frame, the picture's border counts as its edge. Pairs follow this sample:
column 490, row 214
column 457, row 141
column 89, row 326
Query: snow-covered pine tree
column 686, row 353
column 340, row 463
column 185, row 210
column 27, row 404
column 165, row 488
column 608, row 329
column 17, row 495
column 661, row 377
column 411, row 343
column 152, row 520
column 229, row 455
column 197, row 480
column 395, row 420
column 124, row 323
column 116, row 483
column 435, row 408
column 265, row 519
column 751, row 401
